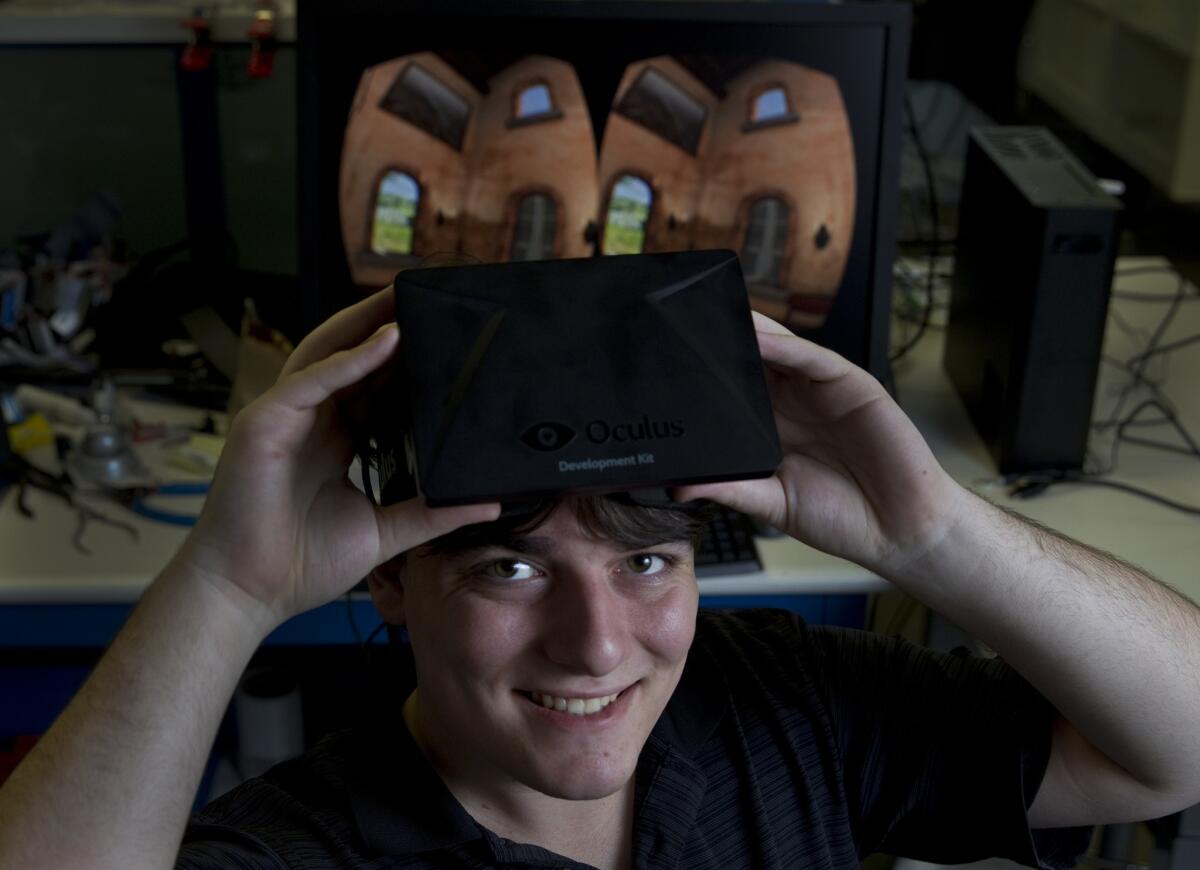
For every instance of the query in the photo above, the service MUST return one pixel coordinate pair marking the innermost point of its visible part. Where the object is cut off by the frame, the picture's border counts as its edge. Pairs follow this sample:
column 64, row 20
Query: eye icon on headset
column 548, row 436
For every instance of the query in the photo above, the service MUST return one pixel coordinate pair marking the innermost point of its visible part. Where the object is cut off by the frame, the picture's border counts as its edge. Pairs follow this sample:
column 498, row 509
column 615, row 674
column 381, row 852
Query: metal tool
column 29, row 475
column 135, row 499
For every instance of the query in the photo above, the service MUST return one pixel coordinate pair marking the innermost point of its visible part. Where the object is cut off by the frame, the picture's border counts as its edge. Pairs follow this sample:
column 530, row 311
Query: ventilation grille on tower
column 1024, row 144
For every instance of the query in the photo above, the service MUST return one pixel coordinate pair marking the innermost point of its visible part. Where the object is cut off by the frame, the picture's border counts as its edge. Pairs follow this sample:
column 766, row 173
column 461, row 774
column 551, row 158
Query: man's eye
column 647, row 563
column 510, row 569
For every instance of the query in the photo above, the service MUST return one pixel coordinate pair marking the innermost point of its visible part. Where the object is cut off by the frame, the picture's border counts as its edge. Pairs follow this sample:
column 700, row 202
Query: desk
column 40, row 569
column 1164, row 542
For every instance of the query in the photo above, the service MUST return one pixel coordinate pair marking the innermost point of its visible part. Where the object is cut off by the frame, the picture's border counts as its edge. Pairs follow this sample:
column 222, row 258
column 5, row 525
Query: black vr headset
column 521, row 381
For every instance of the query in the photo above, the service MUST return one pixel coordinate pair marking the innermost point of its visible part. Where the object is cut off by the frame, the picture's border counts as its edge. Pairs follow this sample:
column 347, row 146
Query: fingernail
column 386, row 329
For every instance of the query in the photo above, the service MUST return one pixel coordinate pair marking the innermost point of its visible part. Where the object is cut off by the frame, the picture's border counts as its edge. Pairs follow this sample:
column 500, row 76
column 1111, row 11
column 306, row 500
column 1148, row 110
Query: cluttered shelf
column 40, row 564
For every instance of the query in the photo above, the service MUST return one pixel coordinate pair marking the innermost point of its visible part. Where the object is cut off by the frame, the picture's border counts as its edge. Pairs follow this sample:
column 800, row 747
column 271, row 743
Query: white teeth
column 574, row 706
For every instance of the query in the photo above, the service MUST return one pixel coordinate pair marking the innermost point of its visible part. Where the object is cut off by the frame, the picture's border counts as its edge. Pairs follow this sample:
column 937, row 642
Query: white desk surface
column 38, row 563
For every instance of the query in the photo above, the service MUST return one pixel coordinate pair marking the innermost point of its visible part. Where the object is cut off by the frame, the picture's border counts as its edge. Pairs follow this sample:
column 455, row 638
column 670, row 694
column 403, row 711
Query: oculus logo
column 548, row 436
column 645, row 429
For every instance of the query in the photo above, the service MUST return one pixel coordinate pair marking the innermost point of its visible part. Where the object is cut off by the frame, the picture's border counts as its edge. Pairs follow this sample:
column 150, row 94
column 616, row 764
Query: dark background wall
column 77, row 120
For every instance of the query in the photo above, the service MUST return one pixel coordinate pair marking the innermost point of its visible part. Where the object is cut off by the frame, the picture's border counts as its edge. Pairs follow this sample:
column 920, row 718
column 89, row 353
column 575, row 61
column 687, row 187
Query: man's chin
column 583, row 782
column 582, row 791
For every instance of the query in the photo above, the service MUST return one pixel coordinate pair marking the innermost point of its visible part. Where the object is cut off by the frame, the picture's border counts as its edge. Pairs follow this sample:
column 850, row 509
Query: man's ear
column 386, row 583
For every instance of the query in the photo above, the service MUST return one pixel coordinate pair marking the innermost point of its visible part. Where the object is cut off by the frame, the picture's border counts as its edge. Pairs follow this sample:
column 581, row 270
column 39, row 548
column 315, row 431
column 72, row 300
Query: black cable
column 1159, row 445
column 1167, row 348
column 1150, row 297
column 1140, row 336
column 934, row 104
column 916, row 321
column 908, row 301
column 375, row 632
column 367, row 647
column 1031, row 485
column 1151, row 385
column 1138, row 371
column 1169, row 416
column 1145, row 270
column 1130, row 296
column 358, row 638
column 1132, row 420
column 927, row 313
column 1136, row 366
column 1132, row 332
column 1181, row 288
column 364, row 645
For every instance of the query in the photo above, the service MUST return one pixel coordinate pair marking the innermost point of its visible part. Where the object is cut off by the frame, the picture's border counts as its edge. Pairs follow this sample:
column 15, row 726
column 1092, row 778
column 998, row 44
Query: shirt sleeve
column 294, row 815
column 219, row 847
column 941, row 754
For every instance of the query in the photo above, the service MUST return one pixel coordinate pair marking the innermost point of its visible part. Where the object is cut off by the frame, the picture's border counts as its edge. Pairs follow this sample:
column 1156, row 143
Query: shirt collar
column 400, row 804
column 699, row 702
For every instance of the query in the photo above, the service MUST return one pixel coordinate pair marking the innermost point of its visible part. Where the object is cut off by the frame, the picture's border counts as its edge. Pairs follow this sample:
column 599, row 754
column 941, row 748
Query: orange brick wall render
column 469, row 199
column 556, row 157
column 674, row 175
column 377, row 141
column 808, row 164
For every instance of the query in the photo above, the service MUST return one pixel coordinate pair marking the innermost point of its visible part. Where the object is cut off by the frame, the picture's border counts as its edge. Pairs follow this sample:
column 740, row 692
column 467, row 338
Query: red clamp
column 262, row 41
column 198, row 54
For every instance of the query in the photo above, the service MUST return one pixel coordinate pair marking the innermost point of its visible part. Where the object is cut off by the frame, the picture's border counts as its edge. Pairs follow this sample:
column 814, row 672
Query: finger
column 791, row 353
column 762, row 323
column 311, row 386
column 411, row 523
column 752, row 497
column 781, row 346
column 348, row 327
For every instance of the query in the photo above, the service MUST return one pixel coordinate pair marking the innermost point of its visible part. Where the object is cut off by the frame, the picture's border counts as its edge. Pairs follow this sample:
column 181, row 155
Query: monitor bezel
column 316, row 302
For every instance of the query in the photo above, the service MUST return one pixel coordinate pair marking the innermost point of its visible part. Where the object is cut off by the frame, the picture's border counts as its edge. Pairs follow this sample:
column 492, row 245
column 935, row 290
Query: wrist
column 944, row 573
column 220, row 594
column 944, row 523
column 915, row 527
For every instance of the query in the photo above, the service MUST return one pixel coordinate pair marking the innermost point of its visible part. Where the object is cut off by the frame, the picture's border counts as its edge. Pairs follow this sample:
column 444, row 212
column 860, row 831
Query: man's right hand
column 283, row 529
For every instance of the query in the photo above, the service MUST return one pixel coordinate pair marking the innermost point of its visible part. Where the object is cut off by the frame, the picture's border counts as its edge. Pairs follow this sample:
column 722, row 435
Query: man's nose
column 587, row 629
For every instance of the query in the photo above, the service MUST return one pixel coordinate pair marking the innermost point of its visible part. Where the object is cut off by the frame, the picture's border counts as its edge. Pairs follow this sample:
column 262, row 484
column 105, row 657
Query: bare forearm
column 111, row 783
column 1116, row 652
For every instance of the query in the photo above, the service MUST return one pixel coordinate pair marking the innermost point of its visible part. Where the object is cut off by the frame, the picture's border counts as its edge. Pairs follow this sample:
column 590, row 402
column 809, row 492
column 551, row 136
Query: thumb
column 755, row 497
column 412, row 523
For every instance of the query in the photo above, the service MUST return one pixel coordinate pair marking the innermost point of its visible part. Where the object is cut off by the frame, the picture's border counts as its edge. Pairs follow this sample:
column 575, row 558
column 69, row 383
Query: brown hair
column 613, row 518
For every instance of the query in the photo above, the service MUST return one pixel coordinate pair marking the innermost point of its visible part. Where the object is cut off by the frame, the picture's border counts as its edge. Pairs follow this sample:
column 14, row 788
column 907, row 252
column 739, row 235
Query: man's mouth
column 573, row 706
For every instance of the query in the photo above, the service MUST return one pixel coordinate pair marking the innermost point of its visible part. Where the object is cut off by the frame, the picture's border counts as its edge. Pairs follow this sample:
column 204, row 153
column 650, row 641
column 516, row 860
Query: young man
column 699, row 742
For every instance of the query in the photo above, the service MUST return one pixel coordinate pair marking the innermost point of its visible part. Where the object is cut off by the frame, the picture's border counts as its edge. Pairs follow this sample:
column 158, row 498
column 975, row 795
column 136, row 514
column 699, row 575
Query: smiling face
column 521, row 646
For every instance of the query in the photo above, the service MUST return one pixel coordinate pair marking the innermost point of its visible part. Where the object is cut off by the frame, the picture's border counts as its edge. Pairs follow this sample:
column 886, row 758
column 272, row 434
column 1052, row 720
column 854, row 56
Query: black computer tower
column 1037, row 239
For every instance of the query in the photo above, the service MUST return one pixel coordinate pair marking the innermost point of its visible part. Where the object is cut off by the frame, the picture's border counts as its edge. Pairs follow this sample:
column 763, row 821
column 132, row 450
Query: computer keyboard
column 727, row 546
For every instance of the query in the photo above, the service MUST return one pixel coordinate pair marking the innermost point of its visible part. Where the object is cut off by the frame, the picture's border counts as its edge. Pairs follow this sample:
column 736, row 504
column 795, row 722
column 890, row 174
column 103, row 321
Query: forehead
column 580, row 518
column 561, row 533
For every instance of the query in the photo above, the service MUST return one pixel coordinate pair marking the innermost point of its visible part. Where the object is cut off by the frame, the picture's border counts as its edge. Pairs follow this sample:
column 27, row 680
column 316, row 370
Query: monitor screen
column 545, row 130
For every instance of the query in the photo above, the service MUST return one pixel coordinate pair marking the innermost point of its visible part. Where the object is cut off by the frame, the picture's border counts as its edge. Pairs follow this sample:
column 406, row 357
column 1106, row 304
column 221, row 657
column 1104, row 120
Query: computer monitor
column 542, row 130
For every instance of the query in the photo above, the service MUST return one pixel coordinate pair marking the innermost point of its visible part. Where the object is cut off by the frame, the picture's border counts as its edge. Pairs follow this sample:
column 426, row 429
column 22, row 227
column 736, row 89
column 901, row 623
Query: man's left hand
column 857, row 479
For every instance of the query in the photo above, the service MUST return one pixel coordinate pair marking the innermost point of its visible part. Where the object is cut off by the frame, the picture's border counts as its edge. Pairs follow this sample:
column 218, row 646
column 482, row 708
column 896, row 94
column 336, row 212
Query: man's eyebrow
column 532, row 545
column 542, row 546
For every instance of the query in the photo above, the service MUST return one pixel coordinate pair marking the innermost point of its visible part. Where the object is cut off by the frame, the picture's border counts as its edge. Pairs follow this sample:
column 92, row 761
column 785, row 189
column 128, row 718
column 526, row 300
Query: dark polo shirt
column 783, row 746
